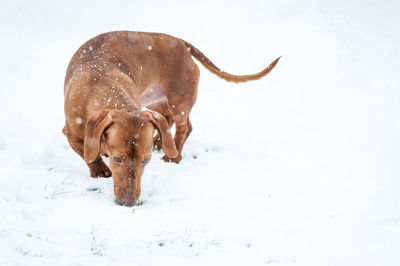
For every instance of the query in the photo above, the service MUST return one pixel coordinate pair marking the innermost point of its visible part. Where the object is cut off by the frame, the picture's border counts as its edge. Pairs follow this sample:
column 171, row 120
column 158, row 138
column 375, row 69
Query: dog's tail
column 196, row 53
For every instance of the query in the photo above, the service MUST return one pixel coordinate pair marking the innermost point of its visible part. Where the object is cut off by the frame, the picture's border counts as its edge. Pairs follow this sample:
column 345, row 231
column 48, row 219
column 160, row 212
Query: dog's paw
column 100, row 170
column 174, row 160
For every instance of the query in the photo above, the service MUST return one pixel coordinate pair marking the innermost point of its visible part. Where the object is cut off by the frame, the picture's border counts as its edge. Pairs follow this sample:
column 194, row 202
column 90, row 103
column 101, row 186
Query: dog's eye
column 117, row 159
column 146, row 160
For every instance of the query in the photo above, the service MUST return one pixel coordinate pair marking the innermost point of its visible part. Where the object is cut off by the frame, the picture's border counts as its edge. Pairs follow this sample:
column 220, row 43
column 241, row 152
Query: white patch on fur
column 78, row 120
column 156, row 115
column 152, row 95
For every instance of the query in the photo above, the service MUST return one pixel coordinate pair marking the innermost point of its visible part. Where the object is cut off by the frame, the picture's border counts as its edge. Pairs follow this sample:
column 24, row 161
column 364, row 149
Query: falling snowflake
column 78, row 120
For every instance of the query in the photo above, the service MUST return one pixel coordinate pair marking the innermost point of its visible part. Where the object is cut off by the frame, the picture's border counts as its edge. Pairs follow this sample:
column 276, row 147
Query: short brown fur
column 108, row 82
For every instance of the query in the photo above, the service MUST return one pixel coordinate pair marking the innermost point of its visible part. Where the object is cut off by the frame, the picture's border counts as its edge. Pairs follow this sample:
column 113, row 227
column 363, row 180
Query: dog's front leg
column 98, row 168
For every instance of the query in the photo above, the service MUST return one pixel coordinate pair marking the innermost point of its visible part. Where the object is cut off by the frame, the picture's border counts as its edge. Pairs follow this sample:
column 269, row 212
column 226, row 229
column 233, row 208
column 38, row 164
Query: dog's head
column 127, row 139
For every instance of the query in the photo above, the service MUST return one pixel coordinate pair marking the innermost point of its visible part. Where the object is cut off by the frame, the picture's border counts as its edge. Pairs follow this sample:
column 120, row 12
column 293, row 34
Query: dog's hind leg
column 180, row 109
column 180, row 86
column 190, row 127
column 180, row 138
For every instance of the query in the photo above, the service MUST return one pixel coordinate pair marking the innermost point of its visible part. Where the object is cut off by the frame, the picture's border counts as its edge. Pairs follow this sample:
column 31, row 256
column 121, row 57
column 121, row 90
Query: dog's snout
column 128, row 200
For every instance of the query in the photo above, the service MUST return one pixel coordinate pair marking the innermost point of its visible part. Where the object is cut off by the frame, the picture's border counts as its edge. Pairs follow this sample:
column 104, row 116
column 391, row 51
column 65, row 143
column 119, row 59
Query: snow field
column 299, row 168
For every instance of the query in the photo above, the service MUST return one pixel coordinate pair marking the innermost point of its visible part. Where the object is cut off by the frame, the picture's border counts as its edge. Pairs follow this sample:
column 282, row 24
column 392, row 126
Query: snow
column 298, row 168
column 78, row 120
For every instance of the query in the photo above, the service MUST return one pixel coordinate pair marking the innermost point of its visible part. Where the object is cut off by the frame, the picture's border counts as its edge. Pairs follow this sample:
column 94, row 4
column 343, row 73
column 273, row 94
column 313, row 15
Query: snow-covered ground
column 299, row 168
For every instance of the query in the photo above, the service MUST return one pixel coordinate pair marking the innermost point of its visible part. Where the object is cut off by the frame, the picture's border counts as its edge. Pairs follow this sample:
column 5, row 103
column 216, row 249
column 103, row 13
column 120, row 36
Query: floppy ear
column 167, row 142
column 95, row 127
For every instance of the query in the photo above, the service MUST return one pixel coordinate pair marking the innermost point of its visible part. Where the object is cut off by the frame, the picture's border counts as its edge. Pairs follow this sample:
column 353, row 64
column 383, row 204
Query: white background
column 298, row 168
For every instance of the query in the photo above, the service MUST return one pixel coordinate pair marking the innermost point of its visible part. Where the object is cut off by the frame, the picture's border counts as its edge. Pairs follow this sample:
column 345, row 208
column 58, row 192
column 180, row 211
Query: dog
column 121, row 87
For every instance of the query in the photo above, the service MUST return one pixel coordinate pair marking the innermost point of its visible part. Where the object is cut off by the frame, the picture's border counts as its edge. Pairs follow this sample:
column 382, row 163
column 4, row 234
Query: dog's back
column 132, row 53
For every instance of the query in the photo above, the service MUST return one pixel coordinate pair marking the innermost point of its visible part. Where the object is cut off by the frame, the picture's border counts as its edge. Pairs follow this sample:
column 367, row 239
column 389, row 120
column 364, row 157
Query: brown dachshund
column 109, row 81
